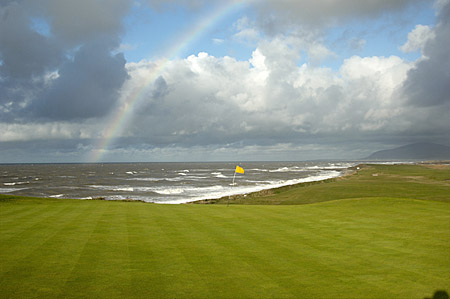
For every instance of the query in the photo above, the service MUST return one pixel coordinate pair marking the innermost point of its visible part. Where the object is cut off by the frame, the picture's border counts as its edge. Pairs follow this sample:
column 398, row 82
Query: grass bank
column 420, row 181
column 366, row 247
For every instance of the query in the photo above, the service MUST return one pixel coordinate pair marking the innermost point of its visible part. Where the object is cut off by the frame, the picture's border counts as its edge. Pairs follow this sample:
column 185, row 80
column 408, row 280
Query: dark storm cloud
column 68, row 72
column 278, row 15
column 76, row 22
column 87, row 86
column 428, row 84
column 25, row 57
column 24, row 52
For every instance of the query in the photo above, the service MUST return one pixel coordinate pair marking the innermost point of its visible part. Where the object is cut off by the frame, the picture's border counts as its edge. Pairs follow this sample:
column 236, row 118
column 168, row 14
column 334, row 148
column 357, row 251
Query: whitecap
column 127, row 189
column 16, row 183
column 169, row 191
column 146, row 179
column 8, row 190
column 287, row 169
column 218, row 175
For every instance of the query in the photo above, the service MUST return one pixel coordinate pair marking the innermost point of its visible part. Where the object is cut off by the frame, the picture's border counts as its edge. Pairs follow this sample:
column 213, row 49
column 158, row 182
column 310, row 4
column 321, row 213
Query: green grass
column 425, row 182
column 366, row 247
column 358, row 248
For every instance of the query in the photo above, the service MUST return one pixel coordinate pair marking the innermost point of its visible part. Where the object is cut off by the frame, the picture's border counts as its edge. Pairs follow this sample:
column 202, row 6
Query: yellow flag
column 239, row 169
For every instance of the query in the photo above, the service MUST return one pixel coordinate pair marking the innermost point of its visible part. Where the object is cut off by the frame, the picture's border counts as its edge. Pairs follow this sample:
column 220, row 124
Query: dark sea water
column 158, row 182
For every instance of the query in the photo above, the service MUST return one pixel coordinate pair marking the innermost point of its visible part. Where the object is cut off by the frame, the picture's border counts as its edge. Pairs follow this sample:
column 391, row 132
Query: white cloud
column 210, row 100
column 46, row 131
column 218, row 41
column 246, row 31
column 418, row 38
column 126, row 47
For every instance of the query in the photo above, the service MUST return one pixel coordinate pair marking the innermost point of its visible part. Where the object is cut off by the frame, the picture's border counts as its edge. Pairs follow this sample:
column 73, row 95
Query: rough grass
column 362, row 247
column 427, row 182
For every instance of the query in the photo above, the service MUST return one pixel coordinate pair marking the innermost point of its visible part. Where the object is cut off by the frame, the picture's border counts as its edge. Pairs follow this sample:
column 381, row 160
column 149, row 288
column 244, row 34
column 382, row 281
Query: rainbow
column 120, row 118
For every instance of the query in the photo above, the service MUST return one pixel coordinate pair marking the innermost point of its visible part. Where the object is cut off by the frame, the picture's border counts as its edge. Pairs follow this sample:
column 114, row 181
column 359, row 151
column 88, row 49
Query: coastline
column 253, row 194
column 269, row 191
column 373, row 179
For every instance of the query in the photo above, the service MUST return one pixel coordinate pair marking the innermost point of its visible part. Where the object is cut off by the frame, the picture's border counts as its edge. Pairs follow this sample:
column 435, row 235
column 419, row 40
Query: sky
column 251, row 80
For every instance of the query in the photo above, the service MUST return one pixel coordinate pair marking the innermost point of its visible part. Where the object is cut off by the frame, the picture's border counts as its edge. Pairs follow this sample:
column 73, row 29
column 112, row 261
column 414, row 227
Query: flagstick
column 228, row 202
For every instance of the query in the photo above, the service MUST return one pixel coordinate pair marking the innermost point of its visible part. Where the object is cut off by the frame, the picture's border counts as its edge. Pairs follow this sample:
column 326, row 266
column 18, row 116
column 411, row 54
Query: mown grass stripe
column 32, row 233
column 217, row 244
column 46, row 261
column 306, row 252
column 104, row 256
column 25, row 218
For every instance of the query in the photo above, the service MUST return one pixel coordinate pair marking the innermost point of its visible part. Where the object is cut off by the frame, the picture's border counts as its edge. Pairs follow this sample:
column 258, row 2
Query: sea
column 163, row 183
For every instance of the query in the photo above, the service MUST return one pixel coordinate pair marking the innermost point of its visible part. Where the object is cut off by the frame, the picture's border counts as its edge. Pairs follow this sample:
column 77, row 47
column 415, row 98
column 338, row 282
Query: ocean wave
column 127, row 189
column 9, row 190
column 288, row 169
column 229, row 191
column 146, row 179
column 170, row 191
column 331, row 166
column 259, row 169
column 189, row 191
column 218, row 175
column 185, row 178
column 16, row 183
column 182, row 177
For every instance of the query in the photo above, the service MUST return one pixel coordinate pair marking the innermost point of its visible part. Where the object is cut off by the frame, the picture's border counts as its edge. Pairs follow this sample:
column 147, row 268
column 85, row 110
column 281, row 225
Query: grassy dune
column 427, row 182
column 377, row 247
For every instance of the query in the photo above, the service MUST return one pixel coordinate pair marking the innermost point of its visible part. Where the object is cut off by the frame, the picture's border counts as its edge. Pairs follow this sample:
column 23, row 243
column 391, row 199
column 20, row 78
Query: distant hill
column 416, row 151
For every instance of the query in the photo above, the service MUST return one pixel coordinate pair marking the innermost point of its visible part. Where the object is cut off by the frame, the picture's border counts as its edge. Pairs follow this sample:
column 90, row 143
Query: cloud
column 20, row 60
column 281, row 101
column 357, row 44
column 67, row 71
column 87, row 86
column 418, row 38
column 268, row 100
column 427, row 84
column 77, row 22
column 218, row 41
column 21, row 132
column 323, row 12
column 246, row 31
column 24, row 69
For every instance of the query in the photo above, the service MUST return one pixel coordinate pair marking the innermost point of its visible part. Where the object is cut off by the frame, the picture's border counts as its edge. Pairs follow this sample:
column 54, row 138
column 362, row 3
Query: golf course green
column 382, row 232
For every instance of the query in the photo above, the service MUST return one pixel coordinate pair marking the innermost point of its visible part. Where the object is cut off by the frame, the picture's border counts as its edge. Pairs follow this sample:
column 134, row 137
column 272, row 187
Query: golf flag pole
column 237, row 170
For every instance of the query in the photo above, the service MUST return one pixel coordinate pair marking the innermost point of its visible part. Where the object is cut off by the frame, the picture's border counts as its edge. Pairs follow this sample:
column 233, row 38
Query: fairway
column 356, row 248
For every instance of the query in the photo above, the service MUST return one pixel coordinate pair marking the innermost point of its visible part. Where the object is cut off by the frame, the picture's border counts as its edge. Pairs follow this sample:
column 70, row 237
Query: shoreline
column 435, row 164
column 342, row 173
column 241, row 195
